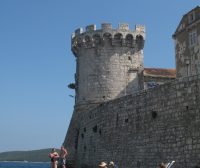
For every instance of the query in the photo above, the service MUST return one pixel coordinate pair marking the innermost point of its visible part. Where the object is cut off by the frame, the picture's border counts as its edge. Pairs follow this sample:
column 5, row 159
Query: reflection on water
column 24, row 165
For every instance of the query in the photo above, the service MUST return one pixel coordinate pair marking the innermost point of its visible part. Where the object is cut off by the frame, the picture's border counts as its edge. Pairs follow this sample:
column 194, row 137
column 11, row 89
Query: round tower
column 109, row 62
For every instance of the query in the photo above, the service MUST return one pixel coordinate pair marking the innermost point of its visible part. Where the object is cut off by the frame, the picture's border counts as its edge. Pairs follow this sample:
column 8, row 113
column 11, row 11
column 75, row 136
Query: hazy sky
column 36, row 62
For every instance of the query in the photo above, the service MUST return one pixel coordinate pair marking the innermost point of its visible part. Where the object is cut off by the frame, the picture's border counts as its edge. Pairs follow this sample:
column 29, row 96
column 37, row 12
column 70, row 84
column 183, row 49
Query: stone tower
column 187, row 44
column 109, row 65
column 109, row 62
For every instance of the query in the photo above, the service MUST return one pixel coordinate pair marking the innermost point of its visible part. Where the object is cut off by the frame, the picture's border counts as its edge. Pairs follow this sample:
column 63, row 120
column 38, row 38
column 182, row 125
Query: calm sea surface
column 23, row 165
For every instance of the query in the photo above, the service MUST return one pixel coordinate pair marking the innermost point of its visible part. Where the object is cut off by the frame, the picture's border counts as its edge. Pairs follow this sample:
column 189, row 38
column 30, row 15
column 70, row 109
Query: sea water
column 24, row 165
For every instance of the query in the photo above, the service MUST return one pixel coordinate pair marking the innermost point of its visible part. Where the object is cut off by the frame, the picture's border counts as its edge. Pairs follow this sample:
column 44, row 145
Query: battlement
column 122, row 36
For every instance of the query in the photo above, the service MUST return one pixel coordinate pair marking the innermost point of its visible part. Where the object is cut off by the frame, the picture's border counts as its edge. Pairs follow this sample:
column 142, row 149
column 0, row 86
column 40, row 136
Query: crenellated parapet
column 107, row 36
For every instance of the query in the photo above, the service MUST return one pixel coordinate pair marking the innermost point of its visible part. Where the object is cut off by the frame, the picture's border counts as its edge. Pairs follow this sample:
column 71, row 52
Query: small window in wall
column 95, row 128
column 117, row 119
column 154, row 114
column 82, row 135
column 193, row 38
column 76, row 139
column 85, row 148
column 191, row 17
column 180, row 27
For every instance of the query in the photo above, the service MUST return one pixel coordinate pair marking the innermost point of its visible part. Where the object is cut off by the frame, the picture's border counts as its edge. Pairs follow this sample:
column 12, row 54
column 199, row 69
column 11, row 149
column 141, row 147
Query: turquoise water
column 23, row 165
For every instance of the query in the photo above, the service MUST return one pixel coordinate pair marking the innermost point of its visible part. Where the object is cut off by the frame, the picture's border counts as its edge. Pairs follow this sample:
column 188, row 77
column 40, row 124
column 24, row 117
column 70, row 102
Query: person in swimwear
column 63, row 154
column 54, row 158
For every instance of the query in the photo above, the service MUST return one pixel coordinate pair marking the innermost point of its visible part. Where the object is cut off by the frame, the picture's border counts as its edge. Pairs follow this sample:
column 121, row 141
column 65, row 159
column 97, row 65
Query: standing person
column 54, row 157
column 63, row 155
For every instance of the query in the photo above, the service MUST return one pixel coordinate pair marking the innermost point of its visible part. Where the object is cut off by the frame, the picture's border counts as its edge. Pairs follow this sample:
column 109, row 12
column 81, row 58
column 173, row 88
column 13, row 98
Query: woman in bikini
column 54, row 158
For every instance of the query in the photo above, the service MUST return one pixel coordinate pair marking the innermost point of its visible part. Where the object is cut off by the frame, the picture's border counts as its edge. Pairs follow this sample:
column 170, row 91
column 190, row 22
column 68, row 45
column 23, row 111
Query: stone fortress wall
column 116, row 119
column 143, row 129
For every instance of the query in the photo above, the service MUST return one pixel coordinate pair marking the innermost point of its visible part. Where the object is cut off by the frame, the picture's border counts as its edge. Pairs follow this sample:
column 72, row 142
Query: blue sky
column 36, row 62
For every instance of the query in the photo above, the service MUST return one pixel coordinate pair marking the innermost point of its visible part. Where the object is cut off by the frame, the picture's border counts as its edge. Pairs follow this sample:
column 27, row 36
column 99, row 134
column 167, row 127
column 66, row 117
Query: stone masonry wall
column 103, row 75
column 141, row 130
